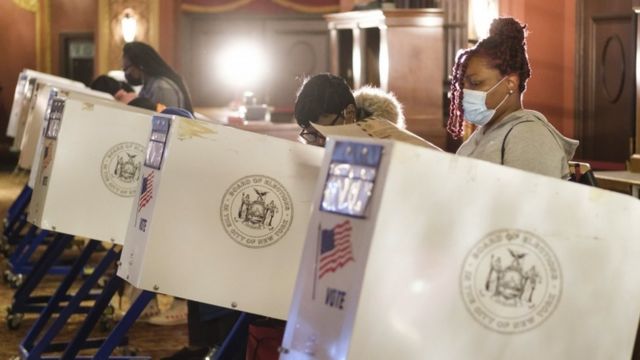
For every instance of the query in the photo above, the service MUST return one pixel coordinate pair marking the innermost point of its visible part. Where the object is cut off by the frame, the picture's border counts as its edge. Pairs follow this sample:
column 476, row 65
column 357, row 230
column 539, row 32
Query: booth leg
column 24, row 245
column 13, row 237
column 58, row 296
column 120, row 330
column 236, row 341
column 13, row 258
column 20, row 262
column 74, row 303
column 19, row 203
column 16, row 211
column 53, row 252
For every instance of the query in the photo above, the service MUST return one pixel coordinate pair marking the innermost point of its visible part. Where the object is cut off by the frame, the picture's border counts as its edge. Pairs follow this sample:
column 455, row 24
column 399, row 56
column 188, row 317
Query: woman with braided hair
column 487, row 89
column 142, row 65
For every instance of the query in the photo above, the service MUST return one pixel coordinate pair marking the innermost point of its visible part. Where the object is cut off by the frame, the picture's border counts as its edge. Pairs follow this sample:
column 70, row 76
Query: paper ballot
column 374, row 127
column 469, row 260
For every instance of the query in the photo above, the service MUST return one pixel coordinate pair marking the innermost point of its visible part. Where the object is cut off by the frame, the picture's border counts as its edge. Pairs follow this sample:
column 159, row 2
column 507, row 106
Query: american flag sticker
column 335, row 248
column 146, row 192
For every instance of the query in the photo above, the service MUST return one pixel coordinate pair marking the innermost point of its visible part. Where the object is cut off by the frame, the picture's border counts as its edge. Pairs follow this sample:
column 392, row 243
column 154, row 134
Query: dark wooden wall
column 606, row 79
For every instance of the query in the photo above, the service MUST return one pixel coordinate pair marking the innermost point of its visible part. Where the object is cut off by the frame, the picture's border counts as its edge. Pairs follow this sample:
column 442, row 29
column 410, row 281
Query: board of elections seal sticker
column 121, row 167
column 256, row 211
column 511, row 281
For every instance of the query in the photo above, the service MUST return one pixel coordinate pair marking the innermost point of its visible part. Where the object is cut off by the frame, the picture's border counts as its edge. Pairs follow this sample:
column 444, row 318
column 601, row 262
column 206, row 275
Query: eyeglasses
column 312, row 136
column 322, row 119
column 338, row 117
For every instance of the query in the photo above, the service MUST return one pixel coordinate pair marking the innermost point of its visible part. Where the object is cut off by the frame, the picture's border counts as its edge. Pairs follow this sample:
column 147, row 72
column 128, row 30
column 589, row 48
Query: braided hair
column 321, row 94
column 506, row 49
column 149, row 61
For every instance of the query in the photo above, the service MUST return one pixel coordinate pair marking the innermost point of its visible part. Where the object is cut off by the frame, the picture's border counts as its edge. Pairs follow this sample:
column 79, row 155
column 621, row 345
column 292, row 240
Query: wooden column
column 109, row 35
column 409, row 59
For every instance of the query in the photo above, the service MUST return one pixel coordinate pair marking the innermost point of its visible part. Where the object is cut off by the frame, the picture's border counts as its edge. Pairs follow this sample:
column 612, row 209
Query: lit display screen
column 157, row 142
column 54, row 117
column 351, row 178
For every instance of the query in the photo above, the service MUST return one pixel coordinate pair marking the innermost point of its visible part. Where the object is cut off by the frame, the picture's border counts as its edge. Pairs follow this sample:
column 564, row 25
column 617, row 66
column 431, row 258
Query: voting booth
column 221, row 216
column 25, row 89
column 35, row 115
column 417, row 254
column 89, row 167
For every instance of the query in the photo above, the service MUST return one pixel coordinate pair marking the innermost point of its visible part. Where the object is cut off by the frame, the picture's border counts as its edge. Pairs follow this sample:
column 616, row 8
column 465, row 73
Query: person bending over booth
column 487, row 89
column 326, row 99
column 120, row 90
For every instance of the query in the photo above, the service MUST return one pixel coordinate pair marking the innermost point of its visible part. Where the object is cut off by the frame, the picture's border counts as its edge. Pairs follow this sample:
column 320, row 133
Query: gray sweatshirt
column 533, row 144
column 162, row 90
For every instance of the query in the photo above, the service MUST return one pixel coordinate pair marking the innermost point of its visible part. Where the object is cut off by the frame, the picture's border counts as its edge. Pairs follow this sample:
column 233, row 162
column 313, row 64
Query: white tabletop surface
column 619, row 176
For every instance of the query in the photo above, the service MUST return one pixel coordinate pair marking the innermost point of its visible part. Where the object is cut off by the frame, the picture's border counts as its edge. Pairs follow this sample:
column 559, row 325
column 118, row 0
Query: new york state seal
column 256, row 211
column 511, row 281
column 121, row 167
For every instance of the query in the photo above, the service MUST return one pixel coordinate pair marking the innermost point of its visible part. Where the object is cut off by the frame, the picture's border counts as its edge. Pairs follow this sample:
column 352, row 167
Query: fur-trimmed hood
column 379, row 103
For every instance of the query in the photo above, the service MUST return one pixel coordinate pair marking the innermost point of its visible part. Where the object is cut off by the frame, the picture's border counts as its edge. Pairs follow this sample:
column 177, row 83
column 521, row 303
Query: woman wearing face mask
column 487, row 89
column 142, row 65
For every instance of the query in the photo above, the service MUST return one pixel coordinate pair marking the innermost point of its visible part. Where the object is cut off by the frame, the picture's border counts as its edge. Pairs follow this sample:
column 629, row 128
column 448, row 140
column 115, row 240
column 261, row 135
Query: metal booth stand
column 20, row 274
column 17, row 220
column 88, row 173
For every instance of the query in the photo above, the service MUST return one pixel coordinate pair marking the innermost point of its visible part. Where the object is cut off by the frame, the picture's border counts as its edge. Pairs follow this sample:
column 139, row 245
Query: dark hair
column 149, row 61
column 109, row 85
column 322, row 94
column 506, row 49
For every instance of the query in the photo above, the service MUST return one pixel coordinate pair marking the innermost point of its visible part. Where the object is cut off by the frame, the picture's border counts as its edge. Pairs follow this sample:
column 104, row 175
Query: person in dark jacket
column 142, row 65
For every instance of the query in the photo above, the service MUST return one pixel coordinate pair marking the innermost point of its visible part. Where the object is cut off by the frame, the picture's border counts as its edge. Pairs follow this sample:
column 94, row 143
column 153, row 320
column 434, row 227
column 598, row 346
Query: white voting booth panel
column 22, row 99
column 35, row 115
column 456, row 258
column 221, row 217
column 90, row 167
column 16, row 107
column 23, row 92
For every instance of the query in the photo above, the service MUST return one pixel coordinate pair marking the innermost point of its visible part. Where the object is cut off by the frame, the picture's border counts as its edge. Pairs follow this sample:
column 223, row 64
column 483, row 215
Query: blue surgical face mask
column 475, row 108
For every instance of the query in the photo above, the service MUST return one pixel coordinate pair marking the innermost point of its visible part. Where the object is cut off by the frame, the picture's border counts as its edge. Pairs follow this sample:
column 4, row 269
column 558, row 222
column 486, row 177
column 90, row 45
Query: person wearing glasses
column 327, row 99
